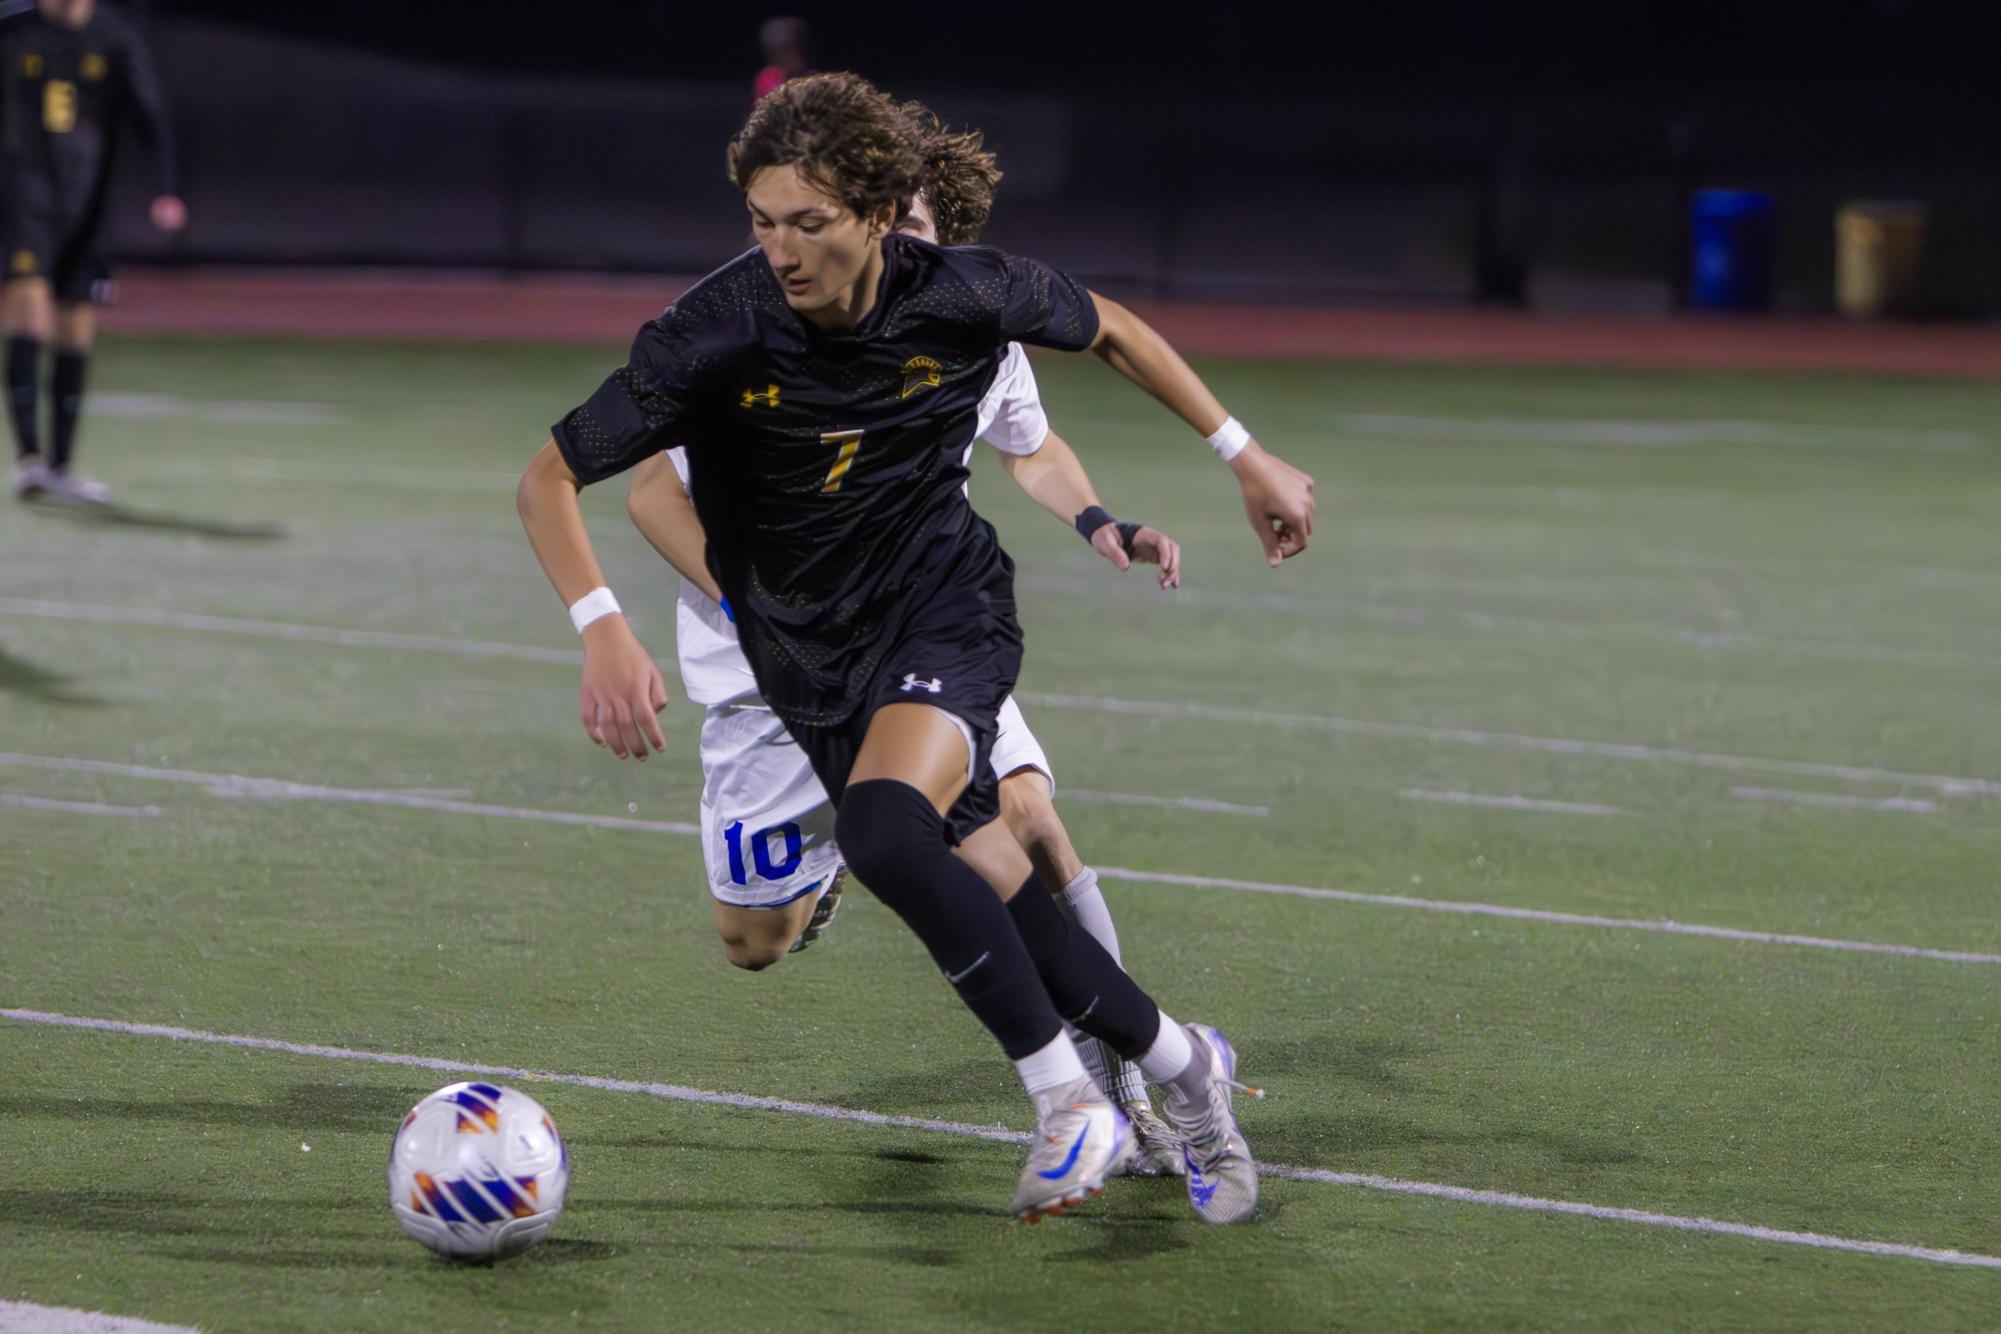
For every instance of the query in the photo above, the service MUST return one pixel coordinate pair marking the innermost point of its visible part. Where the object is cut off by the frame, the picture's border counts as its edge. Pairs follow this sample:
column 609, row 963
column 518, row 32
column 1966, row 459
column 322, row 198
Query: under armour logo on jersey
column 751, row 397
column 910, row 683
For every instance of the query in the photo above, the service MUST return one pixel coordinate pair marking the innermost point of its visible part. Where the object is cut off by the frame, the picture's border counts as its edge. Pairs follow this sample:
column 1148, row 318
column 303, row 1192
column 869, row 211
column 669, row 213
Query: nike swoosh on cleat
column 1199, row 1190
column 1071, row 1161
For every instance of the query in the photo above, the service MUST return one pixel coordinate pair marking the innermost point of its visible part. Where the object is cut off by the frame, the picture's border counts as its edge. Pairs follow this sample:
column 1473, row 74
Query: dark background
column 1429, row 151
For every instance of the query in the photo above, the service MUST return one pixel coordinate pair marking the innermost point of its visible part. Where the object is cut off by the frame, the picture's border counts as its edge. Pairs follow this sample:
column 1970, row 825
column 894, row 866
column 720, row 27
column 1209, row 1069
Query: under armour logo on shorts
column 910, row 682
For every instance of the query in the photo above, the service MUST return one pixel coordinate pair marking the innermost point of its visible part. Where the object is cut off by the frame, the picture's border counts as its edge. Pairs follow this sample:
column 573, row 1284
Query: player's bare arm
column 623, row 692
column 660, row 508
column 1054, row 477
column 1278, row 497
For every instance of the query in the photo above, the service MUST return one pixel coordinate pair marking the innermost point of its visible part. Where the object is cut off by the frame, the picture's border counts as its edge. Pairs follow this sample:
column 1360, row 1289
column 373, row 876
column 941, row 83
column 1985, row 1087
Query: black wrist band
column 1127, row 532
column 1091, row 520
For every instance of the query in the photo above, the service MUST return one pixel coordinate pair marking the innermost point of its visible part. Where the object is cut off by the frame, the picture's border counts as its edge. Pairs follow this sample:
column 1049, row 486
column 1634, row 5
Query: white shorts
column 767, row 827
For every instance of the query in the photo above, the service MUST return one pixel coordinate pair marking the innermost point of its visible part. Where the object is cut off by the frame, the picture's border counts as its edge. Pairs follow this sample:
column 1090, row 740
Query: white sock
column 1170, row 1055
column 1088, row 905
column 1053, row 1066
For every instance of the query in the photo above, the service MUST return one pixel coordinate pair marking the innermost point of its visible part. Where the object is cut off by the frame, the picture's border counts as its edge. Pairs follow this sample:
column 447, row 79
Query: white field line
column 23, row 802
column 1512, row 803
column 1470, row 736
column 373, row 477
column 1663, row 926
column 1168, row 803
column 1662, row 432
column 316, row 634
column 1000, row 1134
column 222, row 411
column 28, row 1318
column 1838, row 801
column 235, row 786
column 1948, row 785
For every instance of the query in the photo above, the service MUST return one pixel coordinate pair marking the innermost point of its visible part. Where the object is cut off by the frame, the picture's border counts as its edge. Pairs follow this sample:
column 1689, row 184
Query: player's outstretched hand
column 1279, row 500
column 169, row 213
column 623, row 693
column 1150, row 547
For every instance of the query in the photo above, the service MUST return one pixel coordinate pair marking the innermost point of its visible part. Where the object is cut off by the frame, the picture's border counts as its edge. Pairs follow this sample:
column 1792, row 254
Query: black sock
column 1091, row 991
column 24, row 371
column 66, row 387
column 894, row 842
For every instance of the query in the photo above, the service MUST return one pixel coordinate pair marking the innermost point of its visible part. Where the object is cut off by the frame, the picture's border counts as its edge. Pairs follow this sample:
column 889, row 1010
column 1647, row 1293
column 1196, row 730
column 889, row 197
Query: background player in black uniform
column 826, row 391
column 73, row 78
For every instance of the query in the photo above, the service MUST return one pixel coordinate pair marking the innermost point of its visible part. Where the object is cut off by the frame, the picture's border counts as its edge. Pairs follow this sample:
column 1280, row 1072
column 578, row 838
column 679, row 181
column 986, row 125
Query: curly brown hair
column 843, row 134
column 959, row 176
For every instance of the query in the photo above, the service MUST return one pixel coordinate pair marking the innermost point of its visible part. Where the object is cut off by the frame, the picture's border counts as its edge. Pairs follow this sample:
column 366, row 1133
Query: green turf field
column 1632, row 594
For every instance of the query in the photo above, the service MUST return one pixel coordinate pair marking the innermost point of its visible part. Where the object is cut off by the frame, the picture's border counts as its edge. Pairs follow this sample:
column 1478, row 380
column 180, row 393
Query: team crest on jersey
column 93, row 66
column 921, row 373
column 768, row 396
column 31, row 64
column 23, row 261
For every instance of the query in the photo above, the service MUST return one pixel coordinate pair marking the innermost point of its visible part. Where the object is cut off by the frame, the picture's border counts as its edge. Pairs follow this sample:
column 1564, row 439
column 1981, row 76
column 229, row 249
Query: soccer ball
column 478, row 1172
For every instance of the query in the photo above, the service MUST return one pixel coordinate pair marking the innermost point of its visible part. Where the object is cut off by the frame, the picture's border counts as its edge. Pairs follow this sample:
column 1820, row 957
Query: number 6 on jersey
column 850, row 442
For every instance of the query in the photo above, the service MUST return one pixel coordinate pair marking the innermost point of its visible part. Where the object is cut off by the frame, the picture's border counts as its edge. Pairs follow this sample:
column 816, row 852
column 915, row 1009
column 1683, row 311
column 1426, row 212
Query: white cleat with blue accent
column 1080, row 1139
column 1222, row 1178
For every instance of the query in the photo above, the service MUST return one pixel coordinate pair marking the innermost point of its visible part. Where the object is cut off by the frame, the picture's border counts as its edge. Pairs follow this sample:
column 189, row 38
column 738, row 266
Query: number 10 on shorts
column 760, row 852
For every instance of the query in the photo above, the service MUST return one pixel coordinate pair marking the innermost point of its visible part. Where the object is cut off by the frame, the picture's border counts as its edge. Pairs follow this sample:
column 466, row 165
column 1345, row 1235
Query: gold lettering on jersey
column 31, row 64
column 921, row 373
column 751, row 397
column 22, row 261
column 58, row 106
column 93, row 67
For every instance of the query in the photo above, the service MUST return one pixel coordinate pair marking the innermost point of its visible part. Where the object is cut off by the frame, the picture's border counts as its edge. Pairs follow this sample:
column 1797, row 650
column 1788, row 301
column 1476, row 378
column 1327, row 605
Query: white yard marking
column 1168, row 803
column 224, row 411
column 1472, row 736
column 288, row 630
column 237, row 786
column 1661, row 432
column 1663, row 926
column 1002, row 1135
column 28, row 1318
column 1839, row 801
column 23, row 802
column 1512, row 803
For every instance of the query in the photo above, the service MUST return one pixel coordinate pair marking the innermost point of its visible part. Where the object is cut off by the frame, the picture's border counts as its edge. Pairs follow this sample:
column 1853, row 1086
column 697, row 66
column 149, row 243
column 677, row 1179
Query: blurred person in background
column 74, row 78
column 784, row 41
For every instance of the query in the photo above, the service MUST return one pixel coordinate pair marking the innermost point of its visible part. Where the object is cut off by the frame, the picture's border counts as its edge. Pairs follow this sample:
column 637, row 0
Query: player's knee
column 1031, row 817
column 753, row 956
column 882, row 826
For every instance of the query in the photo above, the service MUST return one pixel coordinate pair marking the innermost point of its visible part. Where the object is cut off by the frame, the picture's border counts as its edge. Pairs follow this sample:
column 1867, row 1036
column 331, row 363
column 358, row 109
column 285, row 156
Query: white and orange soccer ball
column 478, row 1172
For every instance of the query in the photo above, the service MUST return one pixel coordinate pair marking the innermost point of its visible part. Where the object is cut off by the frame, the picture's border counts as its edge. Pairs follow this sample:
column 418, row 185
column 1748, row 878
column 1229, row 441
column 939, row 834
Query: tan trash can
column 1878, row 248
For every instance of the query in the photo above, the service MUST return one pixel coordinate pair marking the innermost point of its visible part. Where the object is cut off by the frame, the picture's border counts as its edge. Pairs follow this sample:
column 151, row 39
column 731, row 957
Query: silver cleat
column 1080, row 1139
column 823, row 911
column 1222, row 1178
column 1156, row 1146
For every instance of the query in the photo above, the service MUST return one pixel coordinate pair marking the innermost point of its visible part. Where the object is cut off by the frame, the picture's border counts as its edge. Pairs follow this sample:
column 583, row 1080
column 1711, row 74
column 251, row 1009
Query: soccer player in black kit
column 73, row 77
column 825, row 387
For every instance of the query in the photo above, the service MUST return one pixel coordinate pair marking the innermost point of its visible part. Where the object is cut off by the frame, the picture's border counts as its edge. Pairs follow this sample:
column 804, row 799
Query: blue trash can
column 1730, row 250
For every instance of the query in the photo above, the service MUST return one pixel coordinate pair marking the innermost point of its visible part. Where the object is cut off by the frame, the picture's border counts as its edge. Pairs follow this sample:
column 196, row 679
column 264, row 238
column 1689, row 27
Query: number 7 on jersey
column 850, row 443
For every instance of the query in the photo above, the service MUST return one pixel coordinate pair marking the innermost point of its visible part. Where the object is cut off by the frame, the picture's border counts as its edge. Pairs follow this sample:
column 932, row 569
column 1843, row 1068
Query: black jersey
column 64, row 95
column 828, row 469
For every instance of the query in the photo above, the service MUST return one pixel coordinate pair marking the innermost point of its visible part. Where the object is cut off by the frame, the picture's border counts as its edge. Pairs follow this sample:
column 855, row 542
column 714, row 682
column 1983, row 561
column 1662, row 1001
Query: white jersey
column 713, row 668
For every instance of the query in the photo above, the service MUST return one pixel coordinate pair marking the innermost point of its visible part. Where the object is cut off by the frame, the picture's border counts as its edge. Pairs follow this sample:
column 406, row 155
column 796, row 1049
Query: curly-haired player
column 826, row 386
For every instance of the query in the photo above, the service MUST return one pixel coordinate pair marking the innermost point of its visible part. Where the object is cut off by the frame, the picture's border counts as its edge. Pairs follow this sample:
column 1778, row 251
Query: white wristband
column 1229, row 439
column 592, row 605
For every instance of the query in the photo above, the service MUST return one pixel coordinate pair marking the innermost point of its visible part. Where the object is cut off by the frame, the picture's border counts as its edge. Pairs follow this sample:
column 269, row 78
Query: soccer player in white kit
column 775, row 873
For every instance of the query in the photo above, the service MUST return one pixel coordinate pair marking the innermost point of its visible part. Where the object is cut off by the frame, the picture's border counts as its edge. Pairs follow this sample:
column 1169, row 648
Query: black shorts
column 40, row 240
column 960, row 651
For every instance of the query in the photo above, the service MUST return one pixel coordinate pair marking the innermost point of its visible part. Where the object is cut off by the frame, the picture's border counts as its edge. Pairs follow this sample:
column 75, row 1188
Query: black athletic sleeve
column 637, row 405
column 1045, row 306
column 147, row 106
